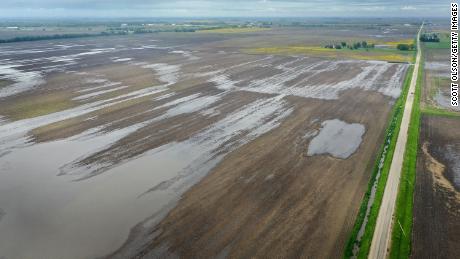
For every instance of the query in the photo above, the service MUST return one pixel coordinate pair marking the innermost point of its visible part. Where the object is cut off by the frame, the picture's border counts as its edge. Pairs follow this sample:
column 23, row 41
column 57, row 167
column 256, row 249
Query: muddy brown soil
column 210, row 142
column 269, row 199
column 436, row 231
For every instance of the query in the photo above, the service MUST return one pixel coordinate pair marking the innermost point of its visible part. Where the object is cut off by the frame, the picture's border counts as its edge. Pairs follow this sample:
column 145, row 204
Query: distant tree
column 364, row 44
column 343, row 43
column 402, row 47
column 427, row 37
column 405, row 47
column 338, row 46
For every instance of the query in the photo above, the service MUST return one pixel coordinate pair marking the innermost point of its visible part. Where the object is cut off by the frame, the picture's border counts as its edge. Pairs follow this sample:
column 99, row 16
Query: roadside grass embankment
column 379, row 177
column 438, row 112
column 403, row 219
column 390, row 55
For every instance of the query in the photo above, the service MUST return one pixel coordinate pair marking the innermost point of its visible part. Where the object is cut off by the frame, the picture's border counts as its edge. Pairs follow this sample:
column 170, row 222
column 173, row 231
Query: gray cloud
column 227, row 8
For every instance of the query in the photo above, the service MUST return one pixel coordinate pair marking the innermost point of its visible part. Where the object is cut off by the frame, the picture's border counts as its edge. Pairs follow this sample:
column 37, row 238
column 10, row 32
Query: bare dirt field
column 436, row 232
column 181, row 144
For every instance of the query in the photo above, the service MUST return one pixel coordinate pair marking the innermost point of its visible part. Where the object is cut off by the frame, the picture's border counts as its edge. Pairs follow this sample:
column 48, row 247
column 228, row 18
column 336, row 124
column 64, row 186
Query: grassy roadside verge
column 402, row 225
column 391, row 137
column 438, row 112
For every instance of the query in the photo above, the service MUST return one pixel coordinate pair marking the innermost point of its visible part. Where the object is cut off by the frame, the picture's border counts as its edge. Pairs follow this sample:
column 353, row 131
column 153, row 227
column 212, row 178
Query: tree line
column 403, row 46
column 429, row 37
column 57, row 36
column 355, row 45
column 83, row 35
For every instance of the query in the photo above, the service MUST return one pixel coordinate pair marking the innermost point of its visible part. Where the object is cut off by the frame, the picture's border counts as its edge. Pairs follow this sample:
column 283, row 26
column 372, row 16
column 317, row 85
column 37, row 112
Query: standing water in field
column 337, row 138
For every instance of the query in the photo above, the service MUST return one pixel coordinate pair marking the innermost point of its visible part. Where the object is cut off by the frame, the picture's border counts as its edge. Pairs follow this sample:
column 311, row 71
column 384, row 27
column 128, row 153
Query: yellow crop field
column 316, row 51
column 395, row 43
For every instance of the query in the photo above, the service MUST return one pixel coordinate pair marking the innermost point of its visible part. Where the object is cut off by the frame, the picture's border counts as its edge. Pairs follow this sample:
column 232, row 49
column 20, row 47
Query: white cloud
column 408, row 8
column 374, row 8
column 222, row 8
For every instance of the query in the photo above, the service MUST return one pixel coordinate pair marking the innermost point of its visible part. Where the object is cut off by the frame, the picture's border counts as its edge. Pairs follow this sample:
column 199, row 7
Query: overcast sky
column 223, row 8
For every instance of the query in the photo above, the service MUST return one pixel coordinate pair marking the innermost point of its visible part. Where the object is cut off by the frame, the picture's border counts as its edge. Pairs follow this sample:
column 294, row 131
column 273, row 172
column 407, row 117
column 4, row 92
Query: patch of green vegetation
column 403, row 219
column 109, row 32
column 39, row 106
column 439, row 112
column 4, row 83
column 394, row 44
column 49, row 37
column 355, row 45
column 405, row 47
column 444, row 42
column 429, row 37
column 391, row 55
column 391, row 137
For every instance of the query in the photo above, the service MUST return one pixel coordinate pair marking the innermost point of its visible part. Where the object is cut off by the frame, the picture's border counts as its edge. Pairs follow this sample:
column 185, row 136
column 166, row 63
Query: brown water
column 53, row 217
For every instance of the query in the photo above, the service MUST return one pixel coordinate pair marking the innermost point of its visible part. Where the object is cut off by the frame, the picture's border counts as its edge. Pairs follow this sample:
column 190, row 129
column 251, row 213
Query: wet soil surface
column 436, row 232
column 164, row 146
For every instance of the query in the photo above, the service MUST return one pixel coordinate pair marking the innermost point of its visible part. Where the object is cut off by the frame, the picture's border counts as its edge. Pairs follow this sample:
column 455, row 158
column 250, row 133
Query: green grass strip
column 439, row 112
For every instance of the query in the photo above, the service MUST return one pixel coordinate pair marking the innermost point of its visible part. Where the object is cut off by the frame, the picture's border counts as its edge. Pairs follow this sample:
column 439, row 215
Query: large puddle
column 337, row 138
column 444, row 101
column 50, row 216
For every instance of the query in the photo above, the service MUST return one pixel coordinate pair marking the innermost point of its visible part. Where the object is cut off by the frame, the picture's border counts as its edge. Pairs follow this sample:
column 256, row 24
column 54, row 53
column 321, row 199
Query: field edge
column 391, row 135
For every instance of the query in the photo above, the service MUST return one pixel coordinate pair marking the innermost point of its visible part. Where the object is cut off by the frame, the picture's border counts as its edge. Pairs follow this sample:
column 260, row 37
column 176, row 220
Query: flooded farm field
column 436, row 90
column 437, row 191
column 437, row 79
column 170, row 145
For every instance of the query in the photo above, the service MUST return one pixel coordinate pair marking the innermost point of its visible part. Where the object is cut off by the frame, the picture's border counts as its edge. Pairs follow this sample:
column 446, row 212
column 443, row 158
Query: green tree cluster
column 405, row 47
column 355, row 45
column 429, row 37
